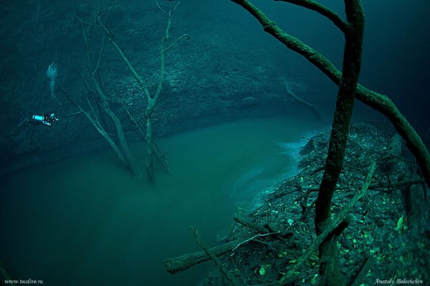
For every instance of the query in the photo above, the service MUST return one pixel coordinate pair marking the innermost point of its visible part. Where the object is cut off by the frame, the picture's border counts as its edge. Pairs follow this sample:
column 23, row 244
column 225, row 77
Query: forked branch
column 378, row 101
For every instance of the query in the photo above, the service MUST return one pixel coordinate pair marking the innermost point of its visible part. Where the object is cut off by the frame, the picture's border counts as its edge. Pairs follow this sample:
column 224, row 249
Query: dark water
column 87, row 222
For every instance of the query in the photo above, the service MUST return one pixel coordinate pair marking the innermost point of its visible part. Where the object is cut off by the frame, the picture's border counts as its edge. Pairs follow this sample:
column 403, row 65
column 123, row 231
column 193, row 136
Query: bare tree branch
column 121, row 53
column 152, row 99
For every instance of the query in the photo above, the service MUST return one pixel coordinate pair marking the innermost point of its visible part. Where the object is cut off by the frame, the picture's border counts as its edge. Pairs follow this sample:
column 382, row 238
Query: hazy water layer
column 88, row 222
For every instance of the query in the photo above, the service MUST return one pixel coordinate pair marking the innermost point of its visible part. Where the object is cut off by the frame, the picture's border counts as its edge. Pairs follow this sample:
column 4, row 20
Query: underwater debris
column 281, row 231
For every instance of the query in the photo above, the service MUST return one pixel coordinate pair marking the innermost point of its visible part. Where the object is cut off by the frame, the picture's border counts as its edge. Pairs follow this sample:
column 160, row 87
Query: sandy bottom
column 86, row 221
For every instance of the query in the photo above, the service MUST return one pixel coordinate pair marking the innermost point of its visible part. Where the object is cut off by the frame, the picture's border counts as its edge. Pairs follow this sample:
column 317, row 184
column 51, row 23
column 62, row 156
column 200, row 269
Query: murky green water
column 86, row 221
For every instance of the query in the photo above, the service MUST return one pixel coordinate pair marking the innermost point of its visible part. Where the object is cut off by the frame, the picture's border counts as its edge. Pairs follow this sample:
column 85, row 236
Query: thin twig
column 122, row 55
column 97, row 66
column 253, row 238
column 301, row 100
column 159, row 7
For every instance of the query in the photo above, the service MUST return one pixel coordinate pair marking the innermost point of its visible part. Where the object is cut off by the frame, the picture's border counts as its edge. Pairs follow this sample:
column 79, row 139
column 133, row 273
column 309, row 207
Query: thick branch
column 118, row 128
column 413, row 140
column 292, row 42
column 188, row 260
column 159, row 155
column 227, row 275
column 323, row 10
column 373, row 99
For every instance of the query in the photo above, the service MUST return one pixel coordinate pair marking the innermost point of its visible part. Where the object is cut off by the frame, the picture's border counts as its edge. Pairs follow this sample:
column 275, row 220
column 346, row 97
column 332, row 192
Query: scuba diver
column 47, row 119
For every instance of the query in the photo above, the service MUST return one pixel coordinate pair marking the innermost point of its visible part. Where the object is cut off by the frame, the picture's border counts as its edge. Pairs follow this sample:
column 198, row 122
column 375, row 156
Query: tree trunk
column 149, row 150
column 378, row 101
column 329, row 268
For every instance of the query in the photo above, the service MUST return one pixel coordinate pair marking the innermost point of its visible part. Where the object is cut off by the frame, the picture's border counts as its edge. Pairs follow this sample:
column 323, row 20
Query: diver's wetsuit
column 47, row 119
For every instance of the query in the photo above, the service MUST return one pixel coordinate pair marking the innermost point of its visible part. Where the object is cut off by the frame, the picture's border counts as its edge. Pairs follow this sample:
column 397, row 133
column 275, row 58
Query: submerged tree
column 98, row 100
column 347, row 80
column 152, row 98
column 328, row 227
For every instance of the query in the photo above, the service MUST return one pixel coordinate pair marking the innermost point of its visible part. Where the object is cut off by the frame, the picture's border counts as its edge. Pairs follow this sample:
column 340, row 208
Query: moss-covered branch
column 323, row 10
column 329, row 268
column 343, row 113
column 227, row 275
column 188, row 260
column 378, row 101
